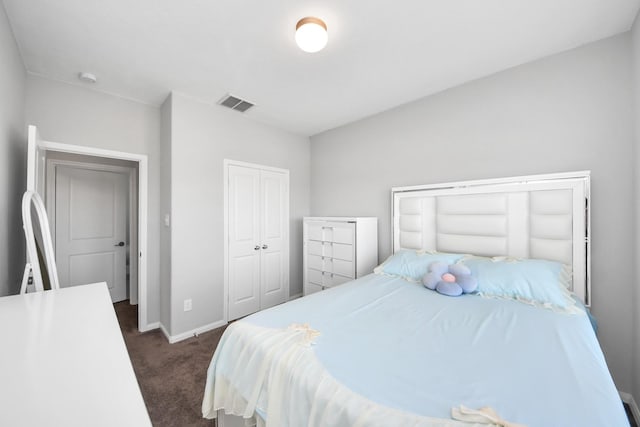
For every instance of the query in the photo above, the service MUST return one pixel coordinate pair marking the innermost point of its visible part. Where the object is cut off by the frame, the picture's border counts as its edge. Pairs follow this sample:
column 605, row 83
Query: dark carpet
column 171, row 376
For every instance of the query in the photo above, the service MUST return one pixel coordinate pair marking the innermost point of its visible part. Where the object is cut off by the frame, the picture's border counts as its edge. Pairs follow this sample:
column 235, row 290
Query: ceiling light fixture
column 311, row 34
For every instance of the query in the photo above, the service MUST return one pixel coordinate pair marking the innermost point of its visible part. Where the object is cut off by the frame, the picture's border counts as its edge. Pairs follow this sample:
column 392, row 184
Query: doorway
column 92, row 208
column 38, row 149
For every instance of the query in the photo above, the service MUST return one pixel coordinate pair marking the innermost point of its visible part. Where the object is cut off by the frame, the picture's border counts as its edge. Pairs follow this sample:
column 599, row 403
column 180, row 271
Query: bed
column 384, row 351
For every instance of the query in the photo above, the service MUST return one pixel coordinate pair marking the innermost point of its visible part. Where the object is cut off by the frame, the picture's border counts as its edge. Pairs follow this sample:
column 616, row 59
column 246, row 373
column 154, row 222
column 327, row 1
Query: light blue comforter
column 405, row 347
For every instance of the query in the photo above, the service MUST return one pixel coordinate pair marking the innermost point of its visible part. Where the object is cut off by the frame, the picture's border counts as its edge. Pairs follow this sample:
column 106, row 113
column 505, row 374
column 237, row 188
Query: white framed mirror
column 41, row 264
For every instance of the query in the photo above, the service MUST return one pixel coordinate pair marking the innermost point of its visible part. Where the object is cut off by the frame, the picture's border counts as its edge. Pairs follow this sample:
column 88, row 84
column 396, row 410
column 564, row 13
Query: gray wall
column 13, row 159
column 202, row 136
column 568, row 112
column 635, row 56
column 74, row 115
column 165, row 208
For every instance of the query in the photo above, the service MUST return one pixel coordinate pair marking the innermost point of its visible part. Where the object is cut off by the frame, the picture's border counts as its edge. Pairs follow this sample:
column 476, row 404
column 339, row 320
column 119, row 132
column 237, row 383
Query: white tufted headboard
column 538, row 216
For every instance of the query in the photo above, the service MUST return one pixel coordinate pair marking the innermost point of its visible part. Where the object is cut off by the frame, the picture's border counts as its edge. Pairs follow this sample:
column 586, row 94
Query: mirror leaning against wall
column 41, row 265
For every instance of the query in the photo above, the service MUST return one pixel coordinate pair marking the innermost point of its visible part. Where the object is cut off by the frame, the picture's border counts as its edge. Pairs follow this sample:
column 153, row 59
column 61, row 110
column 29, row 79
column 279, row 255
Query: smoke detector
column 87, row 77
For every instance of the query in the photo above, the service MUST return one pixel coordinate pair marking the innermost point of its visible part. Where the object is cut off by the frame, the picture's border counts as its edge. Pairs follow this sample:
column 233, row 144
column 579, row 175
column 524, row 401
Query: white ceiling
column 381, row 53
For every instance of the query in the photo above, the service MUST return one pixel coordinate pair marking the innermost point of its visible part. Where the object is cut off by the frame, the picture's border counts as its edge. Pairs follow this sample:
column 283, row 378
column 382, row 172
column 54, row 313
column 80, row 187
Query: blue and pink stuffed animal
column 452, row 280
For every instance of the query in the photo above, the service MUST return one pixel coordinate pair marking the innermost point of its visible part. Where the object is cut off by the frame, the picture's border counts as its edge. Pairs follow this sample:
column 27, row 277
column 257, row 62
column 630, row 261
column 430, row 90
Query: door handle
column 256, row 248
column 119, row 244
column 265, row 247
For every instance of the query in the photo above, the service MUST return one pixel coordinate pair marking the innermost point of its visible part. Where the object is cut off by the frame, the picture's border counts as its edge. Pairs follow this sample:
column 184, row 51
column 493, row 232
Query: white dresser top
column 340, row 218
column 63, row 361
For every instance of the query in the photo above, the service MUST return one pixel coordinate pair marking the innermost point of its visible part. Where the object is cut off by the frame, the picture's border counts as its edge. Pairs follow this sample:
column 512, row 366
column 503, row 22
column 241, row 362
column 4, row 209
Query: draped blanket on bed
column 381, row 351
column 278, row 372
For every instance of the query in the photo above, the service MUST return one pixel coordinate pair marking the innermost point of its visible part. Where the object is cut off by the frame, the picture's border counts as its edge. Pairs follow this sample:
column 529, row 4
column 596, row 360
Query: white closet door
column 274, row 250
column 244, row 237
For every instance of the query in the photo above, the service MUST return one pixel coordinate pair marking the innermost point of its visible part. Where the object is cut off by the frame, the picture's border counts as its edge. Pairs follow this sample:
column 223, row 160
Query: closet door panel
column 244, row 297
column 272, row 278
column 274, row 237
column 244, row 235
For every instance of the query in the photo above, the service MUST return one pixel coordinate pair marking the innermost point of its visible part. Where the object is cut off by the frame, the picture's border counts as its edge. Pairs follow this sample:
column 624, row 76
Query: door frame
column 130, row 172
column 142, row 160
column 225, row 180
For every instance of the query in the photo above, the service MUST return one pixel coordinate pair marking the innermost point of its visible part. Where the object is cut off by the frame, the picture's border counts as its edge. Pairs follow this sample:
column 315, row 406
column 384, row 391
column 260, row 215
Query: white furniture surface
column 537, row 216
column 337, row 250
column 64, row 362
column 257, row 235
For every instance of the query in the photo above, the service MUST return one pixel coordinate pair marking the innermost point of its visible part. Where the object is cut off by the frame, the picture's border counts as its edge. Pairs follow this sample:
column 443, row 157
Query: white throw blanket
column 257, row 370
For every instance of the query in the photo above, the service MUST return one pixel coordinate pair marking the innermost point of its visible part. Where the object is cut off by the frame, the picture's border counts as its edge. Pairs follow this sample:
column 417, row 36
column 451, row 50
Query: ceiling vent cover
column 235, row 103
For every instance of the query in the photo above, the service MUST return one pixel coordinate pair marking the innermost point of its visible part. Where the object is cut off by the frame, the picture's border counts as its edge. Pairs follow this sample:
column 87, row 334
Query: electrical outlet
column 187, row 305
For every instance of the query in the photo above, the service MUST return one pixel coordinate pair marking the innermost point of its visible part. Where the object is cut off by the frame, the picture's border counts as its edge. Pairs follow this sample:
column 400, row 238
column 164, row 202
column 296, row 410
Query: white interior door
column 257, row 252
column 90, row 232
column 274, row 250
column 244, row 241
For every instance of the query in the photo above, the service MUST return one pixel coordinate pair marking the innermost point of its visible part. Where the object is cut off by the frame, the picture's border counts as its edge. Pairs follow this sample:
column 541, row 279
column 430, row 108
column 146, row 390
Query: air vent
column 235, row 103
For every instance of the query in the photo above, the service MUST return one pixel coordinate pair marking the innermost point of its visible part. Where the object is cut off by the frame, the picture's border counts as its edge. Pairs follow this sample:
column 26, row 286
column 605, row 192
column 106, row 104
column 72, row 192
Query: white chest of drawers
column 338, row 249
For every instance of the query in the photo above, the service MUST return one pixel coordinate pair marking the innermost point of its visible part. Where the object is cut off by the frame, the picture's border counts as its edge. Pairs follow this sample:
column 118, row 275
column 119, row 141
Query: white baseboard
column 629, row 400
column 150, row 326
column 193, row 332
